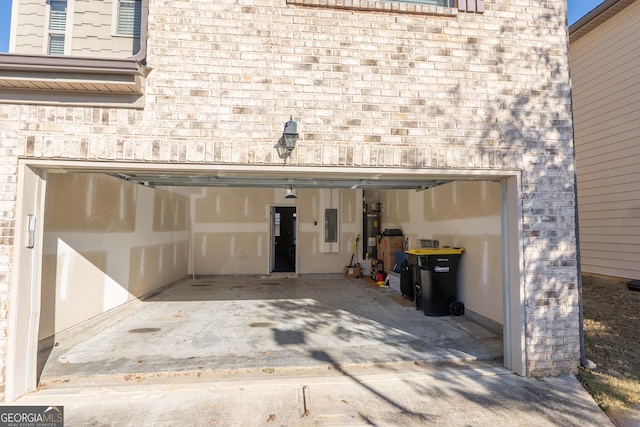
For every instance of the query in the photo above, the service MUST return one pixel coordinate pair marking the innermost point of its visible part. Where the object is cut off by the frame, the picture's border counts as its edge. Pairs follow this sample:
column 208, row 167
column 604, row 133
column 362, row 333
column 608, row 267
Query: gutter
column 69, row 64
column 141, row 56
column 593, row 14
column 597, row 16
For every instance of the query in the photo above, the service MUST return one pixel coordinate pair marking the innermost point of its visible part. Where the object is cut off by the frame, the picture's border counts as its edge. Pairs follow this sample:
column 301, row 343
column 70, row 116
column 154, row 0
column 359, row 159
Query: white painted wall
column 106, row 242
column 463, row 214
column 231, row 229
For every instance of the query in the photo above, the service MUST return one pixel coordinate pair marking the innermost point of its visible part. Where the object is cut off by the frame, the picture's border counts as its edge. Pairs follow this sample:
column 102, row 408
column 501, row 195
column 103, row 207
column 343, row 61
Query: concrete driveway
column 317, row 350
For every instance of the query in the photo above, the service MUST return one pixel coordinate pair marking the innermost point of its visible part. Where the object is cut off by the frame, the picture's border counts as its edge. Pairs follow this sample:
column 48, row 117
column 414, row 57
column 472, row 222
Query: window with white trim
column 129, row 16
column 57, row 26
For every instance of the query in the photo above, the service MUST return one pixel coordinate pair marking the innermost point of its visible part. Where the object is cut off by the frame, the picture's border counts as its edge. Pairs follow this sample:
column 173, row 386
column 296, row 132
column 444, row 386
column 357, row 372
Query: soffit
column 47, row 73
column 596, row 17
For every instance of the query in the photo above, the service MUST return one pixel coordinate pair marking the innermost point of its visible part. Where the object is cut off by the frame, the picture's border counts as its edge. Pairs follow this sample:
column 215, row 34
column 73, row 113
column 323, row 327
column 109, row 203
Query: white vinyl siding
column 606, row 87
column 57, row 26
column 129, row 13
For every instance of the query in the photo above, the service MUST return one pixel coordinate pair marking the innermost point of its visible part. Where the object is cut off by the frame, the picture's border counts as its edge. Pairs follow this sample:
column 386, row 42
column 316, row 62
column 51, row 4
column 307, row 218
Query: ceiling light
column 291, row 193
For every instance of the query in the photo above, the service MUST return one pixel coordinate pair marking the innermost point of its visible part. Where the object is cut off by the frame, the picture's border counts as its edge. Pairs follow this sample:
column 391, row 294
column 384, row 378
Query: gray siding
column 31, row 28
column 92, row 33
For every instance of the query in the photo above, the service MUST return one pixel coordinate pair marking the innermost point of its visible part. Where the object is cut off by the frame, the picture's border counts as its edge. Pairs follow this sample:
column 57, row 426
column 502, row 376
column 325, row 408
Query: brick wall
column 434, row 88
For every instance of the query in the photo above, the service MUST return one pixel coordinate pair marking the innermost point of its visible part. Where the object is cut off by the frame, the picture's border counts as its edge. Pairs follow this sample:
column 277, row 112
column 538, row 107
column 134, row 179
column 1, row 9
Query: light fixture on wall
column 287, row 143
column 291, row 193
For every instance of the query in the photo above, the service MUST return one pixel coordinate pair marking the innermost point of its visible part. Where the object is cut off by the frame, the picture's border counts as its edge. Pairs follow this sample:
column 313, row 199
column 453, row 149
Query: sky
column 577, row 9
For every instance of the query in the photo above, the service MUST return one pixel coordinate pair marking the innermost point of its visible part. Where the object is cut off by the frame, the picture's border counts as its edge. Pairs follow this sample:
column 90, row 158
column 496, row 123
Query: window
column 331, row 225
column 412, row 7
column 57, row 26
column 129, row 15
column 276, row 224
column 445, row 3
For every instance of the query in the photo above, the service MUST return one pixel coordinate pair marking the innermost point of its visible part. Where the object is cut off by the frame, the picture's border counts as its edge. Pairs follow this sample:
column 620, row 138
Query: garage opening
column 145, row 257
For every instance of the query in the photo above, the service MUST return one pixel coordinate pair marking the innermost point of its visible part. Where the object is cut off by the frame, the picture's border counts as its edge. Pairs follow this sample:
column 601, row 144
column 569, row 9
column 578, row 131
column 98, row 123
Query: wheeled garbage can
column 435, row 275
column 406, row 279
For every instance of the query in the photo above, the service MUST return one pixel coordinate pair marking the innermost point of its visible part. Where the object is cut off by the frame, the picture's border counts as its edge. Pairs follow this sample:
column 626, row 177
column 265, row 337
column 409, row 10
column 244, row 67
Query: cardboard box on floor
column 351, row 272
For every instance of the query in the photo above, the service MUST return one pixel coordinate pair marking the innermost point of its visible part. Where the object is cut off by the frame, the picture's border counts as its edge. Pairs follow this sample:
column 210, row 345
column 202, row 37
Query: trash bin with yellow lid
column 435, row 276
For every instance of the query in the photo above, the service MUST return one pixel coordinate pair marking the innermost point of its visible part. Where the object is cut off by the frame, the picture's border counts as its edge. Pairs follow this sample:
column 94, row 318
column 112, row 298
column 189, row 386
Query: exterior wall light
column 290, row 135
column 288, row 141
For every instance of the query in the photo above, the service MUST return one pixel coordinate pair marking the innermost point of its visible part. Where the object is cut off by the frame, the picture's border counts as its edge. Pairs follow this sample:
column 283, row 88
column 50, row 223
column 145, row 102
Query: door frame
column 24, row 308
column 513, row 329
column 24, row 300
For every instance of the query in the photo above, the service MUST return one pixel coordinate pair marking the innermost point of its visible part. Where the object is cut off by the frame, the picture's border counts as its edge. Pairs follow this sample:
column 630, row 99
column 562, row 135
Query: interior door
column 283, row 232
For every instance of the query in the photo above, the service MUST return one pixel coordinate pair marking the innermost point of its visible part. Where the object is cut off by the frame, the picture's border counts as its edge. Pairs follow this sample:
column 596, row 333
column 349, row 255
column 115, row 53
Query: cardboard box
column 351, row 272
column 388, row 261
column 390, row 244
column 387, row 248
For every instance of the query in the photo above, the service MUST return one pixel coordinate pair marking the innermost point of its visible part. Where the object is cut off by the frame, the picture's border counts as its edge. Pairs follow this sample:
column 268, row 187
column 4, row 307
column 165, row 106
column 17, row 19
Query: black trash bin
column 412, row 274
column 435, row 274
column 406, row 279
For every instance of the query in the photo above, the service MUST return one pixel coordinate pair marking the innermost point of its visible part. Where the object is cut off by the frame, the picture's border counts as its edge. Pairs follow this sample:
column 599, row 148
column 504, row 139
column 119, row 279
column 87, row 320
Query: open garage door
column 116, row 242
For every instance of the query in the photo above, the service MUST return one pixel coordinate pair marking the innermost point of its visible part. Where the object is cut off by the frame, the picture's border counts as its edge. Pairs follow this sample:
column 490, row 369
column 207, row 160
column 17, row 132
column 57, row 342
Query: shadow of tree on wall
column 529, row 127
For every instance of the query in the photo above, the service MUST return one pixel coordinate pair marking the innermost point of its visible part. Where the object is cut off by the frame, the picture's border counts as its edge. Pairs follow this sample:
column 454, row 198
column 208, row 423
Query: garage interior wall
column 106, row 242
column 231, row 228
column 99, row 254
column 464, row 214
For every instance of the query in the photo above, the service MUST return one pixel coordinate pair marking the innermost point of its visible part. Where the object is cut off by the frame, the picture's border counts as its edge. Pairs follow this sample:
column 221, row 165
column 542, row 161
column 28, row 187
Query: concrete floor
column 310, row 351
column 254, row 323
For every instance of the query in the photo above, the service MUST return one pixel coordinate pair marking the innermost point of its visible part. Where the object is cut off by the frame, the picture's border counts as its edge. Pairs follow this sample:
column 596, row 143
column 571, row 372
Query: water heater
column 373, row 230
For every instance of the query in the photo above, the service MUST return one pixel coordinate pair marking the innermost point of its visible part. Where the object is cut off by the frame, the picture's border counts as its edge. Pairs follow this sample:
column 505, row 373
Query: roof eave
column 596, row 17
column 69, row 64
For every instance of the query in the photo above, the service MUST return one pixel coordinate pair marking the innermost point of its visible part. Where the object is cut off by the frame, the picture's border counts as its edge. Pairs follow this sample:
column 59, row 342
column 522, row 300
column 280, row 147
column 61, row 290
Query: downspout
column 584, row 362
column 141, row 55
